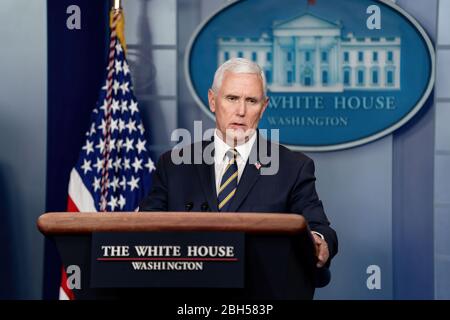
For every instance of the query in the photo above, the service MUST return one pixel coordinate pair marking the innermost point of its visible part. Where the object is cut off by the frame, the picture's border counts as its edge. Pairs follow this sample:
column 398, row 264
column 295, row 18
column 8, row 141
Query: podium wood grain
column 256, row 223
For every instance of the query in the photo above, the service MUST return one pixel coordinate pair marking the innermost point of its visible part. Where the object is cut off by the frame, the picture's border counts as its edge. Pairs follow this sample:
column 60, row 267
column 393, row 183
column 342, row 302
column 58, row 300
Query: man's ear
column 265, row 104
column 212, row 100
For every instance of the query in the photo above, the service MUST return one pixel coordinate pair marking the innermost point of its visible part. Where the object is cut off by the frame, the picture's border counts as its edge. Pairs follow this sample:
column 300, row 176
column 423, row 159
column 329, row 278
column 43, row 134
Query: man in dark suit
column 244, row 172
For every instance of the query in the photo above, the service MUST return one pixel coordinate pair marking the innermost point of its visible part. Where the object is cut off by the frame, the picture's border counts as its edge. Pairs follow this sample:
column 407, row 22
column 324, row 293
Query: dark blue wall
column 76, row 67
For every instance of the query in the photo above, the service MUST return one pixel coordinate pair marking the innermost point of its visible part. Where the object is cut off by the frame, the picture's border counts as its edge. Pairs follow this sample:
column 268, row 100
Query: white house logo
column 308, row 53
column 333, row 80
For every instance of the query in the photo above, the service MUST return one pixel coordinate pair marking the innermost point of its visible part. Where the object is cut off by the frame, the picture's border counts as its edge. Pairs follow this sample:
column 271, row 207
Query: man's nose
column 242, row 108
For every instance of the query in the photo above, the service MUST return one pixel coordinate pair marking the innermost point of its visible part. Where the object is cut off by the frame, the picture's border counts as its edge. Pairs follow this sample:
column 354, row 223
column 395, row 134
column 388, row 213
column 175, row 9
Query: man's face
column 238, row 105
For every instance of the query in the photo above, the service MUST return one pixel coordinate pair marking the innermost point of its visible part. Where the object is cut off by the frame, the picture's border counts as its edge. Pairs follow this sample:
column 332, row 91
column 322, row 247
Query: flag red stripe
column 71, row 206
column 66, row 289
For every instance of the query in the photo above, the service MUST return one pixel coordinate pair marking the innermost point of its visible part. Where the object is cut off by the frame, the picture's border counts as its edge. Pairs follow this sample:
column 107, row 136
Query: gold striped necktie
column 229, row 182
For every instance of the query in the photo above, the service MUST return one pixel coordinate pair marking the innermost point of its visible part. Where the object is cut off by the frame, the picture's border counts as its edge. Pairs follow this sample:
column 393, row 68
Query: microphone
column 204, row 207
column 189, row 206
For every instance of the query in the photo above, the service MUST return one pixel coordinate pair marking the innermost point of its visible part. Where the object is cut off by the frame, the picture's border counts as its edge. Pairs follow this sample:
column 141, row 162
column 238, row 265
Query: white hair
column 238, row 65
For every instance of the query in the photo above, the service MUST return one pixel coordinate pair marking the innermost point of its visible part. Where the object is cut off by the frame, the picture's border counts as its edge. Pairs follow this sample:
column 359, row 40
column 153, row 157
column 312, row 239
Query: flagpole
column 117, row 4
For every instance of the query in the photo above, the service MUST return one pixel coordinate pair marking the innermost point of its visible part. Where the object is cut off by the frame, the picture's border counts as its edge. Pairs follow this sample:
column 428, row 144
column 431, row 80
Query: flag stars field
column 91, row 131
column 133, row 183
column 98, row 165
column 115, row 152
column 131, row 126
column 121, row 202
column 140, row 146
column 124, row 87
column 126, row 69
column 121, row 125
column 133, row 107
column 96, row 184
column 112, row 144
column 117, row 164
column 112, row 203
column 118, row 66
column 114, row 184
column 119, row 144
column 141, row 128
column 129, row 144
column 86, row 166
column 123, row 183
column 88, row 147
column 102, row 126
column 118, row 48
column 115, row 106
column 150, row 165
column 137, row 164
column 124, row 106
column 109, row 173
column 116, row 86
column 101, row 145
column 126, row 164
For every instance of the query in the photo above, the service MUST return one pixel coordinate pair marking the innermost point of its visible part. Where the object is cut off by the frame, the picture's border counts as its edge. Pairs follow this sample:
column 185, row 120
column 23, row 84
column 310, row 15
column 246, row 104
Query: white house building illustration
column 308, row 54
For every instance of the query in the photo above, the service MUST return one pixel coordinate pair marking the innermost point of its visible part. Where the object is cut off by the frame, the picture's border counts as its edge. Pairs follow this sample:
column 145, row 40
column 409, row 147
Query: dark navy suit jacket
column 192, row 187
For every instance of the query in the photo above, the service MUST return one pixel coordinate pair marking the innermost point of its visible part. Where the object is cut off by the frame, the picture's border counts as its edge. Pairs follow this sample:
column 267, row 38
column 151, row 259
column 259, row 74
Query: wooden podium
column 279, row 252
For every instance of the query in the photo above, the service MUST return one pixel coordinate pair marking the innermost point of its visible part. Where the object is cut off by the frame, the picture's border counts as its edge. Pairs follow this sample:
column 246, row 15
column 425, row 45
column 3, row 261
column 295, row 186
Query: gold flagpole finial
column 117, row 4
column 116, row 15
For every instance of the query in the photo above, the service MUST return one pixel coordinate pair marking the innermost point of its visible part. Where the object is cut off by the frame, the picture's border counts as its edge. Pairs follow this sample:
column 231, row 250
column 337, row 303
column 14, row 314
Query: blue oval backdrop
column 340, row 73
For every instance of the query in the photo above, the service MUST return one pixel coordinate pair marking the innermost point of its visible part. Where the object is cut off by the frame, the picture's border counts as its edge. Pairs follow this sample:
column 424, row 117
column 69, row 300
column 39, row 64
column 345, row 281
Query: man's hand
column 322, row 252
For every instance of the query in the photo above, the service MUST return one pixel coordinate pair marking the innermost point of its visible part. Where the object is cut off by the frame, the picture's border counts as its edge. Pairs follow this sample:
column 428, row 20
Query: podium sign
column 168, row 259
column 134, row 255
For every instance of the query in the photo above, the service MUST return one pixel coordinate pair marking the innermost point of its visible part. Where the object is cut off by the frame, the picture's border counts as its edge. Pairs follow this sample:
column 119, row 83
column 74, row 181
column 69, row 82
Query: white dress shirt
column 221, row 159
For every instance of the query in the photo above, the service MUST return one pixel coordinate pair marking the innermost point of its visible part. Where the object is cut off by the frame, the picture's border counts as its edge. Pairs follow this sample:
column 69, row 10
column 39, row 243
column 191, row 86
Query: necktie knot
column 232, row 154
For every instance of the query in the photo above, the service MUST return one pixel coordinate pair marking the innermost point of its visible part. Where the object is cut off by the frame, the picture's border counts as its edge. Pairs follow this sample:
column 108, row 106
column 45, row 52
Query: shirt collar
column 221, row 148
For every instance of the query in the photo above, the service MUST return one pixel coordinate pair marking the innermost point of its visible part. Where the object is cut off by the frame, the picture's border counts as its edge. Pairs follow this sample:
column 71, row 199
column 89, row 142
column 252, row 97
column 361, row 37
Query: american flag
column 113, row 171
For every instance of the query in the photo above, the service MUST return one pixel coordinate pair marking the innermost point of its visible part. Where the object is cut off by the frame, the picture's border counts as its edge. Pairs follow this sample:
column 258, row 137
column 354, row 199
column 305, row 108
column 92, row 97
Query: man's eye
column 232, row 98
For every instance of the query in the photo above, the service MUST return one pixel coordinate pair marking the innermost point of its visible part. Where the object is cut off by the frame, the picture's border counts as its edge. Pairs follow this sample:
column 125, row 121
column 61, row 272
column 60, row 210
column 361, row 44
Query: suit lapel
column 207, row 181
column 249, row 177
